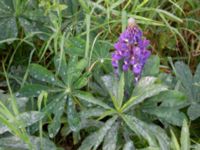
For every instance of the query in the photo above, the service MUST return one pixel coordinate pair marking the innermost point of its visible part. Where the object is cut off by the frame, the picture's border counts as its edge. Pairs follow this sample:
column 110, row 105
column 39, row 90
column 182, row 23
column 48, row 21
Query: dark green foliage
column 190, row 88
column 57, row 88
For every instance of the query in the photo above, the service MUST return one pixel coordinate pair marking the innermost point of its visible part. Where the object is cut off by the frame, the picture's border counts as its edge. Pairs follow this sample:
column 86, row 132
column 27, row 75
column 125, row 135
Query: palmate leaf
column 74, row 70
column 129, row 146
column 189, row 83
column 41, row 73
column 23, row 120
column 95, row 139
column 194, row 111
column 92, row 112
column 74, row 120
column 54, row 126
column 89, row 98
column 8, row 25
column 61, row 66
column 170, row 115
column 184, row 74
column 82, row 81
column 172, row 98
column 165, row 107
column 30, row 20
column 15, row 143
column 144, row 89
column 30, row 90
column 150, row 132
column 115, row 89
column 138, row 127
column 152, row 66
column 75, row 46
column 111, row 85
column 110, row 140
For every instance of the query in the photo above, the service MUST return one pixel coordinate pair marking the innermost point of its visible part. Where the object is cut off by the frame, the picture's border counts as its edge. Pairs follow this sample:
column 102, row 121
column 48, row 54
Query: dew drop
column 51, row 135
column 17, row 94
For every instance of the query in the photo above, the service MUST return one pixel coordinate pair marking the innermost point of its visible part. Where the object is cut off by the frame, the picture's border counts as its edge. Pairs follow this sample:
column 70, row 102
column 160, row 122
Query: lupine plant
column 131, row 49
column 123, row 95
column 126, row 110
column 61, row 87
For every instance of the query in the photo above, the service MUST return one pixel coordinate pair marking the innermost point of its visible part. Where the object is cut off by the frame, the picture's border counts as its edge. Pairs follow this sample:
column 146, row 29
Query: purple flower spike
column 131, row 48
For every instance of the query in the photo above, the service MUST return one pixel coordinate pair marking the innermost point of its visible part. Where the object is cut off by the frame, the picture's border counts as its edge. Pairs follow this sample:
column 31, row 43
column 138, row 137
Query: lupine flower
column 131, row 49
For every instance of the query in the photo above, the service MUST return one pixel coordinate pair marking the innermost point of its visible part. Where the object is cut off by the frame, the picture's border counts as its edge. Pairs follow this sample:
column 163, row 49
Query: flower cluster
column 131, row 48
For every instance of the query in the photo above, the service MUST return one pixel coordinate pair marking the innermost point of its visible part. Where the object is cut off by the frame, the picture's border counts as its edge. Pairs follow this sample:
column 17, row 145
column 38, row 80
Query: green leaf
column 73, row 117
column 8, row 25
column 120, row 91
column 95, row 139
column 144, row 89
column 32, row 90
column 92, row 112
column 194, row 111
column 170, row 115
column 185, row 136
column 8, row 28
column 89, row 98
column 101, row 51
column 140, row 128
column 15, row 143
column 152, row 66
column 23, row 120
column 111, row 138
column 81, row 64
column 161, row 136
column 172, row 98
column 42, row 74
column 111, row 85
column 61, row 66
column 73, row 72
column 129, row 146
column 54, row 126
column 82, row 81
column 184, row 74
column 75, row 46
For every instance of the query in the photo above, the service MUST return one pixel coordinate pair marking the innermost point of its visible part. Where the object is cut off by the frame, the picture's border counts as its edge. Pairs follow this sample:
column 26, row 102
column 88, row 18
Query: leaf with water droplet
column 15, row 143
column 95, row 139
column 39, row 72
column 61, row 66
column 30, row 90
column 72, row 115
column 58, row 110
column 23, row 120
column 75, row 46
